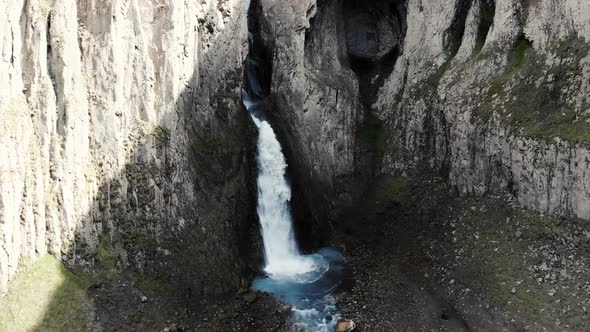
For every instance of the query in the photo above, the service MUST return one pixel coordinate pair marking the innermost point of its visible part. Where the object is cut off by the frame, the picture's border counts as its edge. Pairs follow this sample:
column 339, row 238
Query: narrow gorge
column 313, row 165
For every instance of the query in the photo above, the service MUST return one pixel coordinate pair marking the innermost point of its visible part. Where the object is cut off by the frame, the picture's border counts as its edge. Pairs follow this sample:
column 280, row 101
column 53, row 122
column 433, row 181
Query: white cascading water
column 305, row 282
column 282, row 256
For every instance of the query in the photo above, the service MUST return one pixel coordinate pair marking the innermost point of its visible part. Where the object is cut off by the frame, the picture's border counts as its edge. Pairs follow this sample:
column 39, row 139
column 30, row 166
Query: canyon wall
column 491, row 94
column 123, row 142
column 505, row 110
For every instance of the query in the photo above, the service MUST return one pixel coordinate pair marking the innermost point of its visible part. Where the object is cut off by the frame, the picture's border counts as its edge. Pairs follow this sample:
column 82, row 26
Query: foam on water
column 274, row 193
column 314, row 308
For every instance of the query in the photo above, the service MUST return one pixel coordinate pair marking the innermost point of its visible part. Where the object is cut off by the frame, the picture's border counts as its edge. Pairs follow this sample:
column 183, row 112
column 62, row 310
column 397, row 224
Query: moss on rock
column 536, row 96
column 162, row 135
column 108, row 257
column 391, row 190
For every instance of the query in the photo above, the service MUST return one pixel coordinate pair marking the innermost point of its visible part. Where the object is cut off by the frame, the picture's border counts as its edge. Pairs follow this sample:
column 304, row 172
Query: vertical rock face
column 122, row 129
column 493, row 93
column 505, row 110
column 315, row 94
column 323, row 55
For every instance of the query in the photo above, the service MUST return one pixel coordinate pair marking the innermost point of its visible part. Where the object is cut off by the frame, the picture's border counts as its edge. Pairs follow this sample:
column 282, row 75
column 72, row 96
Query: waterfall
column 305, row 281
column 281, row 253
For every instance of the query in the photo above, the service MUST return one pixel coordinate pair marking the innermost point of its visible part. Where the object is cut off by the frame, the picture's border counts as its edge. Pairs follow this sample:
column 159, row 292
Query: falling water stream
column 303, row 281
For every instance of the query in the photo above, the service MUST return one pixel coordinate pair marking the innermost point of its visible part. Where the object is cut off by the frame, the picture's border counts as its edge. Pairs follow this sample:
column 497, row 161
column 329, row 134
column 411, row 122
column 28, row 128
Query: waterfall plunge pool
column 309, row 293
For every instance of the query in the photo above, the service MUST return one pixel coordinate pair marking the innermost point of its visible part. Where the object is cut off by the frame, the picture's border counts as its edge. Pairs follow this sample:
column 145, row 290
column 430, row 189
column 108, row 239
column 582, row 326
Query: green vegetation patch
column 520, row 51
column 441, row 71
column 392, row 189
column 162, row 135
column 153, row 286
column 535, row 97
column 45, row 296
column 108, row 257
column 204, row 152
column 142, row 240
column 546, row 229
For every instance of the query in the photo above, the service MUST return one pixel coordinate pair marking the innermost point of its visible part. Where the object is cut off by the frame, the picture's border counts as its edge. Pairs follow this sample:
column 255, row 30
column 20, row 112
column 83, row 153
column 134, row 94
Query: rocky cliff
column 314, row 103
column 503, row 110
column 123, row 142
column 492, row 94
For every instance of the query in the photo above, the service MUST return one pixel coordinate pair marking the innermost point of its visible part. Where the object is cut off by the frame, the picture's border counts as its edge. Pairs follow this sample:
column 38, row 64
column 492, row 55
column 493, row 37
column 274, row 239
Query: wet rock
column 285, row 308
column 249, row 297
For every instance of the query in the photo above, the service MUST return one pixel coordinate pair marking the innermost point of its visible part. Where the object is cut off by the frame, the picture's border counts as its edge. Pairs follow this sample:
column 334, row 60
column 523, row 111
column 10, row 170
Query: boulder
column 345, row 325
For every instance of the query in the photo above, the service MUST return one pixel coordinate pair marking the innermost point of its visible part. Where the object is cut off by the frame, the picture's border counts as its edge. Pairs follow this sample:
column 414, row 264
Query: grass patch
column 495, row 260
column 153, row 286
column 204, row 151
column 108, row 258
column 563, row 124
column 545, row 228
column 140, row 239
column 392, row 189
column 45, row 296
column 500, row 248
column 520, row 52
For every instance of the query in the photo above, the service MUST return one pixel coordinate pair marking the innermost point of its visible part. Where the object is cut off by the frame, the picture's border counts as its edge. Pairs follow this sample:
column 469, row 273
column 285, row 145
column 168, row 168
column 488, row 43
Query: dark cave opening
column 374, row 33
column 374, row 40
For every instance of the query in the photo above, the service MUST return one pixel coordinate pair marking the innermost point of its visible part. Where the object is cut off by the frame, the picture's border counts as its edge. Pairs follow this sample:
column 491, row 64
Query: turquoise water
column 314, row 308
